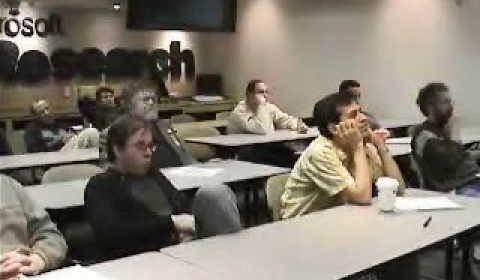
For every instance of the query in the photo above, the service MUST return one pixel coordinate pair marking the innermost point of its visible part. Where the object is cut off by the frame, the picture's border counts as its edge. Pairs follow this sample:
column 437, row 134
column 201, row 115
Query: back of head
column 428, row 95
column 326, row 111
column 345, row 85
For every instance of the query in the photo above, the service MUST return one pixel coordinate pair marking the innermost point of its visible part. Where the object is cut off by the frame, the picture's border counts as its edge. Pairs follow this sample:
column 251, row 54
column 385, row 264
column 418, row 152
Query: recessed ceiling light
column 116, row 6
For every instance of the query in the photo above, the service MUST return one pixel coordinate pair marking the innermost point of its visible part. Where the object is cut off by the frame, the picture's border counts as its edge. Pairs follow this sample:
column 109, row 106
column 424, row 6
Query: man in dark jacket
column 42, row 134
column 133, row 208
column 445, row 165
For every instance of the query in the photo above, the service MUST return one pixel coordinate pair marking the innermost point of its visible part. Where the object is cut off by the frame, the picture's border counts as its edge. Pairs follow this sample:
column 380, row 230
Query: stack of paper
column 425, row 203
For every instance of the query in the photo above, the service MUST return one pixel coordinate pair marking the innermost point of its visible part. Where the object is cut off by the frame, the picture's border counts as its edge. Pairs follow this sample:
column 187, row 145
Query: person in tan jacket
column 29, row 242
column 257, row 114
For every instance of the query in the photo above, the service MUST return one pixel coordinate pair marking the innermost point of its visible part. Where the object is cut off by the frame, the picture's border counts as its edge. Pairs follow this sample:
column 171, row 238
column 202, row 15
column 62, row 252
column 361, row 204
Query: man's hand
column 37, row 264
column 302, row 127
column 255, row 101
column 15, row 262
column 349, row 135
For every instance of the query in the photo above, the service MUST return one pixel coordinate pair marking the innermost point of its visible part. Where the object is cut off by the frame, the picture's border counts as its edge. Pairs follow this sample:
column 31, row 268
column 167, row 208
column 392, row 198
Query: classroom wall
column 304, row 48
column 101, row 28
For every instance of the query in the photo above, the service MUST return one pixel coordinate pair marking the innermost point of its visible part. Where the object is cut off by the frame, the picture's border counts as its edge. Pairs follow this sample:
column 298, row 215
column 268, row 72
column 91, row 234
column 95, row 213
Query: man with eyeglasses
column 133, row 208
column 142, row 102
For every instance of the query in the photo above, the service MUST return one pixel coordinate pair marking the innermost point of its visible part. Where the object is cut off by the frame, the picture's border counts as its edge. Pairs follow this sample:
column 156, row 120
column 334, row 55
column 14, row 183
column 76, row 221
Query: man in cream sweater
column 257, row 114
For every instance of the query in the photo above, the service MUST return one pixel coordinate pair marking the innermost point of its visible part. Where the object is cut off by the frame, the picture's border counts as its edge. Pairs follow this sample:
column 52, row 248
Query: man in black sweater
column 133, row 208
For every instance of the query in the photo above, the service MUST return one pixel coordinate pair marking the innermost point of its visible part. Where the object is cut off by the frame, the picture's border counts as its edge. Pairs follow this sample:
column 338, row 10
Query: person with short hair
column 444, row 164
column 133, row 208
column 107, row 110
column 29, row 242
column 141, row 101
column 352, row 87
column 342, row 164
column 42, row 134
column 257, row 114
column 340, row 167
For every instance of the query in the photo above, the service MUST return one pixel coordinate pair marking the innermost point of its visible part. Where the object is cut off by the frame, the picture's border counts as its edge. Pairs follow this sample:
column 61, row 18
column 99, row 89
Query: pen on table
column 427, row 222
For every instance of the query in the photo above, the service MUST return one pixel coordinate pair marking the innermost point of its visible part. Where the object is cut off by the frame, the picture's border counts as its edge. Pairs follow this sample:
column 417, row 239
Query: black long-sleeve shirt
column 43, row 138
column 132, row 214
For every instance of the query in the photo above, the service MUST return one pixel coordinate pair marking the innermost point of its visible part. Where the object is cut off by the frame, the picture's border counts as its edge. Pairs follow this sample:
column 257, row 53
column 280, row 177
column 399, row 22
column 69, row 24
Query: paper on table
column 71, row 273
column 193, row 171
column 402, row 140
column 425, row 203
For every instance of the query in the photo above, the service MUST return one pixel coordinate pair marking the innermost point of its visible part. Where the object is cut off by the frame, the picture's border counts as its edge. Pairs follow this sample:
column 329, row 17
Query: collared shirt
column 267, row 118
column 320, row 175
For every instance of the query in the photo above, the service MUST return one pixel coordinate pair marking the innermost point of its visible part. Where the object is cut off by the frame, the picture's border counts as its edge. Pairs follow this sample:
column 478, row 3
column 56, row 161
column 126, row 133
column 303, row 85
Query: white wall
column 304, row 48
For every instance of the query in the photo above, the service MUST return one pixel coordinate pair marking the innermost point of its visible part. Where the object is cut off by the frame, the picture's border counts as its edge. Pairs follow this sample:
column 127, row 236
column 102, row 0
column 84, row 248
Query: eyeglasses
column 143, row 147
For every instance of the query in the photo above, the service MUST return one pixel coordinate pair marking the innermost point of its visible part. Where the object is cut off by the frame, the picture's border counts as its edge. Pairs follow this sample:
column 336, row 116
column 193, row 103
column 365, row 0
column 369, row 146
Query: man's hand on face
column 349, row 135
column 255, row 101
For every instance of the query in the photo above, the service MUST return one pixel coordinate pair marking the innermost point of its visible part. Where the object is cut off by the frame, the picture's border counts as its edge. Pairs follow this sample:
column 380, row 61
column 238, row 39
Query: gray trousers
column 215, row 211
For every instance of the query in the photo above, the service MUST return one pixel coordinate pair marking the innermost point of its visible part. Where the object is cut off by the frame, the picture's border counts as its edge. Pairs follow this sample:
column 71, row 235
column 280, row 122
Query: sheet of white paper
column 192, row 171
column 402, row 140
column 425, row 203
column 71, row 273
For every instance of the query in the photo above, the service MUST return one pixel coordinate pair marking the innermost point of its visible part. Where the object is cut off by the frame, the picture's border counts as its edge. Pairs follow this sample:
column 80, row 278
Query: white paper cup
column 387, row 193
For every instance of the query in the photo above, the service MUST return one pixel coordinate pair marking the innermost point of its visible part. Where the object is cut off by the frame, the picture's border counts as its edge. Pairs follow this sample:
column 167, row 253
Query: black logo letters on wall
column 34, row 66
column 27, row 27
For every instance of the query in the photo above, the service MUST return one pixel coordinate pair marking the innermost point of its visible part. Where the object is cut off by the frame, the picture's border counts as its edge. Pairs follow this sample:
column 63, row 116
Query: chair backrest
column 200, row 152
column 223, row 115
column 274, row 189
column 182, row 118
column 70, row 172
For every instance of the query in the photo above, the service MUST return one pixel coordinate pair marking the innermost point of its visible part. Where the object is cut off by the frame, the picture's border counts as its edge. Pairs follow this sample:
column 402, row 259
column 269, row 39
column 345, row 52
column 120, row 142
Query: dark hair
column 326, row 111
column 251, row 86
column 87, row 108
column 429, row 94
column 120, row 131
column 347, row 84
column 100, row 90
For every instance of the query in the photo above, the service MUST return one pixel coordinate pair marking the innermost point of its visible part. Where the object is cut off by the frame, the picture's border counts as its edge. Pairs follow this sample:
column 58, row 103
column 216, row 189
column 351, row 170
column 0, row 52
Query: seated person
column 141, row 102
column 257, row 114
column 42, row 134
column 352, row 87
column 340, row 167
column 444, row 164
column 133, row 208
column 107, row 111
column 5, row 149
column 30, row 242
